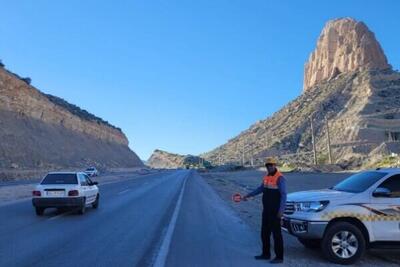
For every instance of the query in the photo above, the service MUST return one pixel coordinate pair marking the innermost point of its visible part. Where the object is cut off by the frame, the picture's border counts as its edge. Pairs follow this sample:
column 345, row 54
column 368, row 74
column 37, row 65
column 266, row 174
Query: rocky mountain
column 38, row 130
column 344, row 45
column 349, row 87
column 164, row 160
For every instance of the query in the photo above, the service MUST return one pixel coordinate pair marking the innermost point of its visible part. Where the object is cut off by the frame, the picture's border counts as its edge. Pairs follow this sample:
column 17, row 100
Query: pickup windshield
column 60, row 178
column 359, row 182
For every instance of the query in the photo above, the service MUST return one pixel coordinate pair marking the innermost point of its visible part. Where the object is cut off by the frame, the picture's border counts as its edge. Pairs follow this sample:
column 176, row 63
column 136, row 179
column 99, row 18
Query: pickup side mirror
column 381, row 192
column 94, row 183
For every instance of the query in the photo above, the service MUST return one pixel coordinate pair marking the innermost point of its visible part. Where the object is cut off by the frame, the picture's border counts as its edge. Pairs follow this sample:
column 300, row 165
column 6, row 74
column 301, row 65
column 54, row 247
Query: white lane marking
column 60, row 215
column 163, row 252
column 126, row 190
column 123, row 191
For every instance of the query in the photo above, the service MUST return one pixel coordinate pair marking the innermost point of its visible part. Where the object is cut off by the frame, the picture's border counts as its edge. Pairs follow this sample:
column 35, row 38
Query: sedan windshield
column 60, row 178
column 359, row 182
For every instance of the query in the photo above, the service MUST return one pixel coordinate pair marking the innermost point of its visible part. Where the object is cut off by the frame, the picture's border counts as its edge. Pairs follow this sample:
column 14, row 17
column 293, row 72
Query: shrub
column 27, row 80
column 322, row 159
column 78, row 111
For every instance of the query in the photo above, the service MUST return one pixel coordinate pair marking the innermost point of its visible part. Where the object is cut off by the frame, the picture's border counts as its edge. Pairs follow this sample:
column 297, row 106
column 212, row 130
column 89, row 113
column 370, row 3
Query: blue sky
column 183, row 76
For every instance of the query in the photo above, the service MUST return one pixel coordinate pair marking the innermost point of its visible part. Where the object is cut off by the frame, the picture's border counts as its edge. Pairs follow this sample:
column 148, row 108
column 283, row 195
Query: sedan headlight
column 311, row 206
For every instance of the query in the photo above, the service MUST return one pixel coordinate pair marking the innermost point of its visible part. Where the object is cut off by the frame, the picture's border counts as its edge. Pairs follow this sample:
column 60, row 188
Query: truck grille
column 289, row 208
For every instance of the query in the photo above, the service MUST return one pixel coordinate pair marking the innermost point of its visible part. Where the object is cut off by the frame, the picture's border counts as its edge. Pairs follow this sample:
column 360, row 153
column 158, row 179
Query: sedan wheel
column 82, row 208
column 95, row 204
column 39, row 211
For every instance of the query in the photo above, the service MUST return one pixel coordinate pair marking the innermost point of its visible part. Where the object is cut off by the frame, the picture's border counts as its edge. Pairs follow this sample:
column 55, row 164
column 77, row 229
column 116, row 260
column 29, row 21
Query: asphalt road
column 163, row 219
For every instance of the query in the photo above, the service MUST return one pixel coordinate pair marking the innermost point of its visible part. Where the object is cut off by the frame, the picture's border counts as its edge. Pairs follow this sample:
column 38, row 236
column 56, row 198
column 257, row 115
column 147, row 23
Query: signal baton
column 237, row 197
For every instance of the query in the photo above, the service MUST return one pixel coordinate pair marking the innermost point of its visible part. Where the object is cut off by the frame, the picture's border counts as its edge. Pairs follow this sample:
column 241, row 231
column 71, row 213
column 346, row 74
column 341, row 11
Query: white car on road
column 65, row 190
column 92, row 171
column 362, row 211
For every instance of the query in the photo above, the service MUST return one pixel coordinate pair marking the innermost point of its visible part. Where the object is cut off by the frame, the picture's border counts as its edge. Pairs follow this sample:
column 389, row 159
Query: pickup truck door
column 385, row 219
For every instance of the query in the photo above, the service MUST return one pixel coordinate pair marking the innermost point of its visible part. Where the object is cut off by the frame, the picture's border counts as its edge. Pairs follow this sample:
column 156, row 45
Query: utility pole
column 390, row 137
column 313, row 140
column 329, row 140
column 253, row 142
column 243, row 154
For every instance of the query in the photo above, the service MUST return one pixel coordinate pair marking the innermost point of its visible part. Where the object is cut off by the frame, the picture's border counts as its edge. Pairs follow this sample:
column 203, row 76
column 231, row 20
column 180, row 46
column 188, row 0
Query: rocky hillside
column 361, row 105
column 43, row 131
column 165, row 160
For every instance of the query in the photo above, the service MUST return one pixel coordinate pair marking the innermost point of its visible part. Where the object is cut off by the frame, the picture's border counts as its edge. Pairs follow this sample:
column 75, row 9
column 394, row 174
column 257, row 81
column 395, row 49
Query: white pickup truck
column 361, row 212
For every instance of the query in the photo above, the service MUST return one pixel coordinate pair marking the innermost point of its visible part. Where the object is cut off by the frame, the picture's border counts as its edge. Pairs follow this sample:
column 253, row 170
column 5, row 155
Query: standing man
column 274, row 201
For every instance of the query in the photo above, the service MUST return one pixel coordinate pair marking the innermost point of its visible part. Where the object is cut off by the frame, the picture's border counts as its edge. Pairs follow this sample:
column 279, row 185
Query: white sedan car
column 65, row 190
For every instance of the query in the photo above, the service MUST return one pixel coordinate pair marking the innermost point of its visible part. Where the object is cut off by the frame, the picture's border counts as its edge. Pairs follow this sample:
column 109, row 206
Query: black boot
column 276, row 261
column 262, row 257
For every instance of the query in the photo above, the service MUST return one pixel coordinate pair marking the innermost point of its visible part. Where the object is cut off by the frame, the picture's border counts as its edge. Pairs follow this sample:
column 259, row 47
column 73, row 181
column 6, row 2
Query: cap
column 270, row 160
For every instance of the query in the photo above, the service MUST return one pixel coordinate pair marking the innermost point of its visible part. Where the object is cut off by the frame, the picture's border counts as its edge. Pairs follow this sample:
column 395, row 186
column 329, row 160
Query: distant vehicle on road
column 65, row 190
column 362, row 211
column 92, row 171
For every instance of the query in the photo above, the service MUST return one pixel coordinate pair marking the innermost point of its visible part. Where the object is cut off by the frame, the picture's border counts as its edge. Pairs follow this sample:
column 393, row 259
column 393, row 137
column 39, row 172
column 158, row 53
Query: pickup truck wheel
column 82, row 208
column 343, row 243
column 310, row 243
column 95, row 204
column 39, row 211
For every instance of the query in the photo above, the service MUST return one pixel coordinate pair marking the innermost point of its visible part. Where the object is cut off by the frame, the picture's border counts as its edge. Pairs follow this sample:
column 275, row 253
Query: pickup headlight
column 311, row 206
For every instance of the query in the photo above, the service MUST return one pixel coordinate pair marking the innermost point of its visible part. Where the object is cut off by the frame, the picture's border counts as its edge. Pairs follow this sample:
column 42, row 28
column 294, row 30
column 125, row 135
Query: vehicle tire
column 82, row 208
column 62, row 210
column 343, row 243
column 310, row 243
column 39, row 211
column 95, row 204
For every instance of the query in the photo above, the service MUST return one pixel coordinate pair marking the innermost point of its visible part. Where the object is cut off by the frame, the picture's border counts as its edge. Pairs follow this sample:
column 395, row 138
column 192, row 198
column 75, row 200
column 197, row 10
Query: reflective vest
column 271, row 182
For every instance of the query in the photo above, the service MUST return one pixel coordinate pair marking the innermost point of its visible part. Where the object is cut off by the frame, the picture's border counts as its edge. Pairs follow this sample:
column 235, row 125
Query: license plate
column 55, row 193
